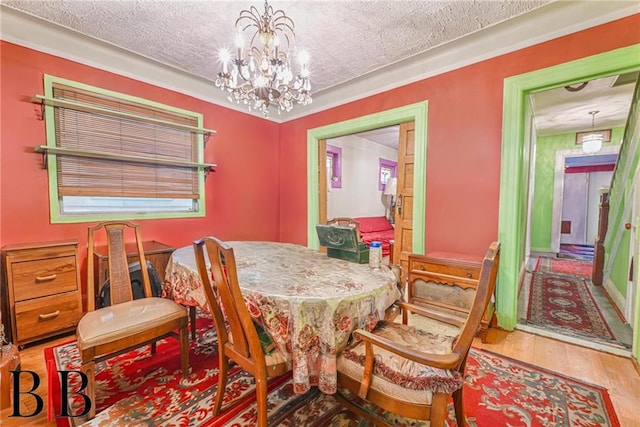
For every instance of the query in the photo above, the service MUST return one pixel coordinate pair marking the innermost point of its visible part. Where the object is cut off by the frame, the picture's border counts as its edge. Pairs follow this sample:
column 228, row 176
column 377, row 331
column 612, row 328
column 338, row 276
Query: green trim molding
column 414, row 112
column 512, row 222
column 52, row 165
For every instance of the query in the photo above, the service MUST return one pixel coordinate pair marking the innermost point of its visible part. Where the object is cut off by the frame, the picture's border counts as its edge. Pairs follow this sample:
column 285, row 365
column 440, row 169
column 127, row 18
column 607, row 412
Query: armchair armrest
column 442, row 361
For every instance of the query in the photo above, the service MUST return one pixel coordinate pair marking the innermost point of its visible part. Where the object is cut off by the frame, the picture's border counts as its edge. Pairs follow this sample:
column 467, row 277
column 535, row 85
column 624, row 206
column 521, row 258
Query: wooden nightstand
column 42, row 285
column 156, row 252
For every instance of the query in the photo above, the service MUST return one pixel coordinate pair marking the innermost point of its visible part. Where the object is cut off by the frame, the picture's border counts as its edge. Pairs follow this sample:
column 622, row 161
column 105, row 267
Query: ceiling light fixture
column 592, row 142
column 261, row 74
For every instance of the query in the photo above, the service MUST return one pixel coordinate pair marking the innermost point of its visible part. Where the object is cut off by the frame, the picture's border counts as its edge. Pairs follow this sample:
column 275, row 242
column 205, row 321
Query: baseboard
column 521, row 275
column 615, row 296
column 618, row 351
column 538, row 252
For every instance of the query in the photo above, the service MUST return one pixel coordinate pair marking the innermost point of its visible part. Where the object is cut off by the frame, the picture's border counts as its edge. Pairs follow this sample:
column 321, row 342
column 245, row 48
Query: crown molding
column 548, row 22
column 34, row 33
column 554, row 20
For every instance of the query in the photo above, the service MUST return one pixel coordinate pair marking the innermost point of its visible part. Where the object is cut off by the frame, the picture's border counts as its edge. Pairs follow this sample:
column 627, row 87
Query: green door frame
column 414, row 112
column 513, row 207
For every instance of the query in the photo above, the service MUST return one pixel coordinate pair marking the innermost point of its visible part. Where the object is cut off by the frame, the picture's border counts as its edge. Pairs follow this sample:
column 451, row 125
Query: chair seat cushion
column 400, row 376
column 112, row 323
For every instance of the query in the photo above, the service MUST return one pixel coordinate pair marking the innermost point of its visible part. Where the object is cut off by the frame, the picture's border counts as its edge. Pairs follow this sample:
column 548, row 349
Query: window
column 387, row 169
column 334, row 166
column 113, row 156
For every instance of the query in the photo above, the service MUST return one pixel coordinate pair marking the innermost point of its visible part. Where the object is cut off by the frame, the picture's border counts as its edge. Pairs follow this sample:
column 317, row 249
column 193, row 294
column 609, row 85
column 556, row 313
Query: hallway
column 621, row 333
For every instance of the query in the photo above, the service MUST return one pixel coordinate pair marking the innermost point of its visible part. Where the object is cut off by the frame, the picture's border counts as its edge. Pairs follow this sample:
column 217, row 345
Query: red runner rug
column 565, row 266
column 563, row 302
column 136, row 389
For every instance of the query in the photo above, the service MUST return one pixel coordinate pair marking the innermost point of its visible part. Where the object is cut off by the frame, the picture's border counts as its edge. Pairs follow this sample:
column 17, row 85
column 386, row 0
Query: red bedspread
column 376, row 229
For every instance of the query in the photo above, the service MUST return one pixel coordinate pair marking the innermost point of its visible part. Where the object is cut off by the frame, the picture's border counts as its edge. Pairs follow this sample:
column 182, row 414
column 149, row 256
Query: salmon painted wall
column 464, row 135
column 241, row 195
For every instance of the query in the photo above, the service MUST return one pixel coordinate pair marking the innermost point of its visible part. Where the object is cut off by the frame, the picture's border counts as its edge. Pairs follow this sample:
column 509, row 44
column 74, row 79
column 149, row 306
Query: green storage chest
column 342, row 242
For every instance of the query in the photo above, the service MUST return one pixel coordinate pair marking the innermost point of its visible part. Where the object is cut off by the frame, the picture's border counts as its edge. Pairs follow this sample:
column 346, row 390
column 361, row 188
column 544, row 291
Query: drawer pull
column 45, row 278
column 469, row 275
column 49, row 315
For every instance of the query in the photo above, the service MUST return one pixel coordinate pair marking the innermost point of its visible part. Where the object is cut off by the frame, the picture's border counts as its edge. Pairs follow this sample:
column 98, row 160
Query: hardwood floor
column 32, row 359
column 615, row 373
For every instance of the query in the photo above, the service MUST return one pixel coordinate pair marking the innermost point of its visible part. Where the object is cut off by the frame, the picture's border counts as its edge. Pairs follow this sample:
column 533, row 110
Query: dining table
column 307, row 302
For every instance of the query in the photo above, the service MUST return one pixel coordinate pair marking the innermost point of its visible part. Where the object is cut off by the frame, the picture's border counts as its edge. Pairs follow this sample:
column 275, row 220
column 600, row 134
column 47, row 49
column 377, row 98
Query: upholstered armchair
column 412, row 371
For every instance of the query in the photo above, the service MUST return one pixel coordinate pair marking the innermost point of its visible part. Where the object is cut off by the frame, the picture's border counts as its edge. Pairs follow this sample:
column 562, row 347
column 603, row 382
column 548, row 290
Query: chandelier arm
column 255, row 19
column 253, row 38
column 243, row 29
column 288, row 24
column 246, row 79
column 282, row 56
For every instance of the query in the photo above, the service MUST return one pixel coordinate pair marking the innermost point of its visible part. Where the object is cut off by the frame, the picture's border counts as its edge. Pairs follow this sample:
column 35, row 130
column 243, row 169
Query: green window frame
column 114, row 149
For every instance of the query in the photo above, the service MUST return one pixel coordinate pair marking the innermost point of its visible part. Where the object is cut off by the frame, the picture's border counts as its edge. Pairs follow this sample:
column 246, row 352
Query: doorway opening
column 416, row 113
column 359, row 167
column 516, row 158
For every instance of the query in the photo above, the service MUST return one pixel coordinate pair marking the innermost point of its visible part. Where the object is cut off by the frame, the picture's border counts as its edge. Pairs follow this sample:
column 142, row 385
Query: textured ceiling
column 346, row 40
column 561, row 111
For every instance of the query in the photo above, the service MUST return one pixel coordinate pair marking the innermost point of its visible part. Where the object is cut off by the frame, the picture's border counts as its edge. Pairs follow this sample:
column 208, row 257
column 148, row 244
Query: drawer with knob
column 454, row 267
column 53, row 313
column 41, row 290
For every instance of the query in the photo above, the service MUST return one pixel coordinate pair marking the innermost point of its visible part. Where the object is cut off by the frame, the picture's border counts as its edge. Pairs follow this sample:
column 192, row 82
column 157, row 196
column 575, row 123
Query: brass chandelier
column 260, row 75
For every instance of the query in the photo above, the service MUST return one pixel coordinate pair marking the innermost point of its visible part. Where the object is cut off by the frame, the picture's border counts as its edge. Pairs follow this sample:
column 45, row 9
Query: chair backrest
column 224, row 298
column 486, row 284
column 350, row 222
column 137, row 284
column 118, row 265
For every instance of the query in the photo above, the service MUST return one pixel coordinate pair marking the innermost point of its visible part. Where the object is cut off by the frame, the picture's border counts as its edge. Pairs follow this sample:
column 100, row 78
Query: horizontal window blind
column 101, row 132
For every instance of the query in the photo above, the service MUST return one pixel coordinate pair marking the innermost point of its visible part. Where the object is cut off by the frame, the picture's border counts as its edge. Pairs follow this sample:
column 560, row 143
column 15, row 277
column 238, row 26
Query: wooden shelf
column 79, row 106
column 121, row 157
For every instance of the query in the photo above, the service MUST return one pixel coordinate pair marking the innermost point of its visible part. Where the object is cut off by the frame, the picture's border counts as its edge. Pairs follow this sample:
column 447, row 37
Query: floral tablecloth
column 308, row 302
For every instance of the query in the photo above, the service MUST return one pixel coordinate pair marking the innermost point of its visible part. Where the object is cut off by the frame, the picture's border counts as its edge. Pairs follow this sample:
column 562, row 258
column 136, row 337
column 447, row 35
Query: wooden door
column 403, row 210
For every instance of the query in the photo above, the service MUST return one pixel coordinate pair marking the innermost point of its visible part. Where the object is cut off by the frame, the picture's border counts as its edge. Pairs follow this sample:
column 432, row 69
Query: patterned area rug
column 562, row 302
column 135, row 389
column 565, row 266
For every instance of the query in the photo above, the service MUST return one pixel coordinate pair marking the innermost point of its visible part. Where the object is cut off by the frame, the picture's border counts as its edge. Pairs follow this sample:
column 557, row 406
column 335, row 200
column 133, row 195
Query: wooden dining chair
column 126, row 323
column 241, row 343
column 412, row 371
